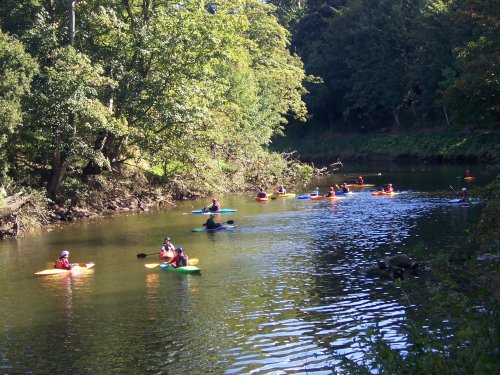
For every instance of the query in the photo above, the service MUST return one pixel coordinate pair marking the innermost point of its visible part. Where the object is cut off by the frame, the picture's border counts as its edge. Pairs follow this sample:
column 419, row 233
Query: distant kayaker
column 211, row 223
column 62, row 262
column 261, row 193
column 389, row 188
column 215, row 206
column 345, row 188
column 360, row 181
column 331, row 192
column 464, row 194
column 315, row 192
column 467, row 173
column 180, row 259
column 167, row 251
column 281, row 190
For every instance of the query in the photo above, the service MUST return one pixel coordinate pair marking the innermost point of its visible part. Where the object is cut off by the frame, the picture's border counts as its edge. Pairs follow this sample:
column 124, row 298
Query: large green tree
column 17, row 68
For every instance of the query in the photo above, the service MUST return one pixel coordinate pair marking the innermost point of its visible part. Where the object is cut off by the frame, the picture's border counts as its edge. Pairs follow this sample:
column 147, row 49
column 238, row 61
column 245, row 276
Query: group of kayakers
column 172, row 255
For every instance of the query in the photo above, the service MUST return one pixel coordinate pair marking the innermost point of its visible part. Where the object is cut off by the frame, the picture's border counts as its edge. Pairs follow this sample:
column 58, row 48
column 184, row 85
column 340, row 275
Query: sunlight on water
column 282, row 293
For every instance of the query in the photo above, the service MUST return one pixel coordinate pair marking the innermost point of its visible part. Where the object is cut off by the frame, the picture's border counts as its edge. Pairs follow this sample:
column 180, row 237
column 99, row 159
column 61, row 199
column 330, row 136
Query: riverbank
column 430, row 146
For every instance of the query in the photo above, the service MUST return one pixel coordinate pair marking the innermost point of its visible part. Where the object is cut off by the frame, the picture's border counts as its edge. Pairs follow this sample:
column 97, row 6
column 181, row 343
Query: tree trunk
column 57, row 174
column 71, row 24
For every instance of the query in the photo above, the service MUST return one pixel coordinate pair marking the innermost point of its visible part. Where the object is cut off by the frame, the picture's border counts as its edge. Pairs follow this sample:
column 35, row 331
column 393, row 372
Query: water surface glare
column 283, row 293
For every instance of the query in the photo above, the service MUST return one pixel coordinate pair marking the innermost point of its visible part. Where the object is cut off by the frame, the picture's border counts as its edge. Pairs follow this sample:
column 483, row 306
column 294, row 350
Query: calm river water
column 283, row 293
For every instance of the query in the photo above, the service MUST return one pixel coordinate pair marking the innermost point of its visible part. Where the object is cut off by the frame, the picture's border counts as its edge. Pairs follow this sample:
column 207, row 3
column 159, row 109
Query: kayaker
column 389, row 188
column 215, row 206
column 315, row 192
column 180, row 259
column 467, row 173
column 62, row 262
column 211, row 224
column 345, row 188
column 261, row 193
column 167, row 243
column 167, row 251
column 281, row 190
column 360, row 181
column 331, row 192
column 464, row 194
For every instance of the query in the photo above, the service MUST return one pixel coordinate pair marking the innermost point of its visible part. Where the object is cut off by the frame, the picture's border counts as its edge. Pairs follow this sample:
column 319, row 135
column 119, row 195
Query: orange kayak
column 383, row 193
column 259, row 199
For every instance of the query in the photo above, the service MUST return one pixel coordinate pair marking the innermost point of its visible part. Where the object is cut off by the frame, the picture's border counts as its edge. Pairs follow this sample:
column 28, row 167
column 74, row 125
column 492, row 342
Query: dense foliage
column 398, row 63
column 188, row 92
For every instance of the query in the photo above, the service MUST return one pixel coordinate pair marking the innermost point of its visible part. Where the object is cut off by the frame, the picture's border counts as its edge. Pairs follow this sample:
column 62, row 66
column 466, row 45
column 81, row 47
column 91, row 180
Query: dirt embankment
column 25, row 213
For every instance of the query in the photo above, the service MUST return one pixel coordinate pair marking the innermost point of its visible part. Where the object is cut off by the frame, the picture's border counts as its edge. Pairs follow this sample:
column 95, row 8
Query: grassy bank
column 450, row 147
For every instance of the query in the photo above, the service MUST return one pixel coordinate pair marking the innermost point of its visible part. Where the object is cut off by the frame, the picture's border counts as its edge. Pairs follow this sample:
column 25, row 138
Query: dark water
column 281, row 294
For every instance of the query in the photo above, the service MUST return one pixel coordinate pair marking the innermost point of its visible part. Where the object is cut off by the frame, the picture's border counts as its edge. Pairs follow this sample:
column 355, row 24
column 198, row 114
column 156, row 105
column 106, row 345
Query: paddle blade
column 142, row 255
column 151, row 265
column 193, row 261
column 230, row 222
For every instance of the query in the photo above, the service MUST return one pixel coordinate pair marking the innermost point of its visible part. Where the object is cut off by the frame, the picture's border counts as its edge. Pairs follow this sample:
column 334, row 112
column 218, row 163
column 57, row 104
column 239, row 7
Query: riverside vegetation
column 109, row 105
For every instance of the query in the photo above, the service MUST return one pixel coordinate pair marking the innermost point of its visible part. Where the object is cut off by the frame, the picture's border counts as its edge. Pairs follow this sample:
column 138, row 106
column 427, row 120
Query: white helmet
column 464, row 189
column 64, row 253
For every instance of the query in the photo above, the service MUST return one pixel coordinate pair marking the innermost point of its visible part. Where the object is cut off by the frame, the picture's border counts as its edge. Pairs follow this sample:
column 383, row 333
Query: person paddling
column 261, row 193
column 331, row 192
column 211, row 223
column 389, row 188
column 167, row 251
column 360, row 181
column 281, row 190
column 180, row 259
column 215, row 206
column 345, row 188
column 62, row 262
column 464, row 194
column 315, row 192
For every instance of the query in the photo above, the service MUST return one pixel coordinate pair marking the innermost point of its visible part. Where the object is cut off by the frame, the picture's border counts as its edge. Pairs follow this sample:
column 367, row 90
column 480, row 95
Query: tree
column 16, row 71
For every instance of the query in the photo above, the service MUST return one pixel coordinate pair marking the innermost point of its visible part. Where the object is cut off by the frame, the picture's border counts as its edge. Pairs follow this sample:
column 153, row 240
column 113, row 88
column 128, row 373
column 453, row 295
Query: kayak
column 457, row 200
column 321, row 197
column 287, row 195
column 305, row 196
column 356, row 186
column 383, row 193
column 342, row 193
column 222, row 227
column 186, row 269
column 207, row 212
column 58, row 271
column 470, row 178
column 259, row 199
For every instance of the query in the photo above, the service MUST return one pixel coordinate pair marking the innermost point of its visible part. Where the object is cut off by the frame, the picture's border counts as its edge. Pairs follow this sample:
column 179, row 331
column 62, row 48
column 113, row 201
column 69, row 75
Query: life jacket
column 166, row 254
column 330, row 194
column 215, row 207
column 62, row 264
column 262, row 194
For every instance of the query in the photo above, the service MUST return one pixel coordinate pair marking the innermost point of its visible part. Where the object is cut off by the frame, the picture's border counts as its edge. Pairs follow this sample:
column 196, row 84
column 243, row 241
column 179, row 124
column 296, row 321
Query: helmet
column 167, row 238
column 464, row 189
column 64, row 253
column 331, row 188
column 180, row 250
column 389, row 184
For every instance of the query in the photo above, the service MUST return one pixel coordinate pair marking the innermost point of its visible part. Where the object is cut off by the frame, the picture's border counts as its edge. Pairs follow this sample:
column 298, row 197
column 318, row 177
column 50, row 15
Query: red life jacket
column 62, row 263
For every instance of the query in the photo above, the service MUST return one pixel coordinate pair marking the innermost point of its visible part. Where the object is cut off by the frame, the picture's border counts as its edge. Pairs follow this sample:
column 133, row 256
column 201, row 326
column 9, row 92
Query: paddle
column 192, row 262
column 451, row 187
column 144, row 255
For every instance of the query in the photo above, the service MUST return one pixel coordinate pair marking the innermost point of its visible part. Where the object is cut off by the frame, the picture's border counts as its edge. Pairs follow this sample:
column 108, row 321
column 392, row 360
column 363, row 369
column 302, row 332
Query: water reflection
column 282, row 293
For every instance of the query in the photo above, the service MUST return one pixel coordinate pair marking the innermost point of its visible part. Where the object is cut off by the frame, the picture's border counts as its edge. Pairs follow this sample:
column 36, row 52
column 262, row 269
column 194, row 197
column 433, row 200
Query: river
column 283, row 293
